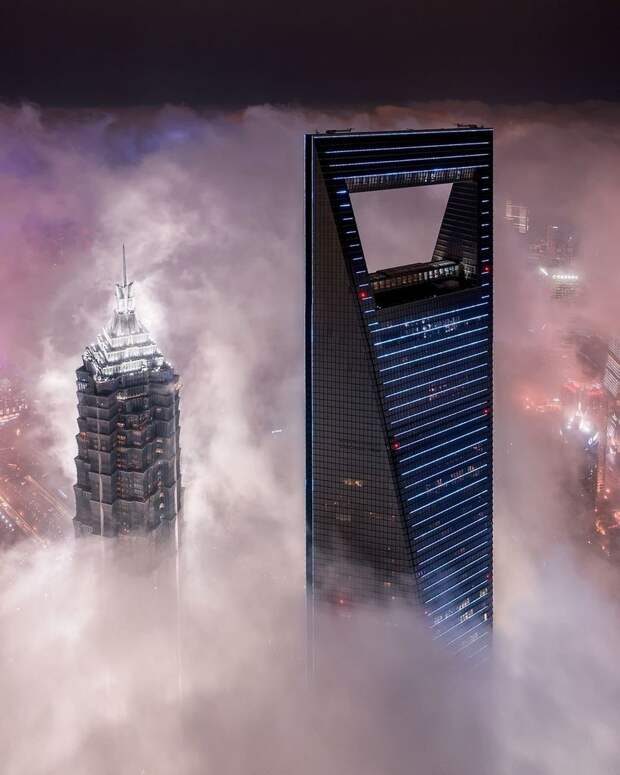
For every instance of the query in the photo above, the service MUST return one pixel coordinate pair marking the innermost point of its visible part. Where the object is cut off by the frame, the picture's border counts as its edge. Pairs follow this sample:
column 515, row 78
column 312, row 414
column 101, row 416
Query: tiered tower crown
column 124, row 345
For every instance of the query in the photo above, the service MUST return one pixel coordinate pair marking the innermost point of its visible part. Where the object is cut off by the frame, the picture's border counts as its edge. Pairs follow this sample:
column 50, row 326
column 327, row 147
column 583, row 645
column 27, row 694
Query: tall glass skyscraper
column 128, row 462
column 399, row 386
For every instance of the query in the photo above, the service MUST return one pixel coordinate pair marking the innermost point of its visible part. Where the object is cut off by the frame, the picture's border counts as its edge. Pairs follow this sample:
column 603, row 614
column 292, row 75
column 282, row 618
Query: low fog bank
column 210, row 211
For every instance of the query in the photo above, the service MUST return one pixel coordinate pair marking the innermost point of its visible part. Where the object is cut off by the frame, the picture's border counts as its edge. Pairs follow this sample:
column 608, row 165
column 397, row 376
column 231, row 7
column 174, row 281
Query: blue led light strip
column 475, row 588
column 416, row 360
column 482, row 610
column 448, row 483
column 452, row 547
column 445, row 470
column 419, row 160
column 455, row 586
column 426, row 450
column 430, row 344
column 424, row 318
column 438, row 393
column 469, row 167
column 479, row 507
column 439, row 366
column 443, row 457
column 407, row 147
column 468, row 526
column 456, row 612
column 454, row 560
column 442, row 378
column 462, row 635
column 439, row 406
column 440, row 327
column 480, row 480
column 440, row 432
column 437, row 420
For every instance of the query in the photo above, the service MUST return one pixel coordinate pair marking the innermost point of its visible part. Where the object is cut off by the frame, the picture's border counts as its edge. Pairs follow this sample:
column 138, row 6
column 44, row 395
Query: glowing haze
column 210, row 210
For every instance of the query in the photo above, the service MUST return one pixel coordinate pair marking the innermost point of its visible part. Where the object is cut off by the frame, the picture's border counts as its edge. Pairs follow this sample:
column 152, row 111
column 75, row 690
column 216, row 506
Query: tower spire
column 124, row 293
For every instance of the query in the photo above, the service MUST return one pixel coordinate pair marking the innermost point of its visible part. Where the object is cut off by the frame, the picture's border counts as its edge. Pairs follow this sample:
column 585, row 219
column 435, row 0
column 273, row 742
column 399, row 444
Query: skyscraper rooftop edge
column 335, row 133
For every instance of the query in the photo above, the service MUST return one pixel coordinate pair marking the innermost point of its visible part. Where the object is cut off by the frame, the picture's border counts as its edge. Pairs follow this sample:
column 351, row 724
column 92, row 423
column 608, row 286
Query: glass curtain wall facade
column 399, row 387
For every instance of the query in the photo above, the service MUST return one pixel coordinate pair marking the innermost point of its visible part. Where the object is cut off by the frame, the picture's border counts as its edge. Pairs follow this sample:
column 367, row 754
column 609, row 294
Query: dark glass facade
column 399, row 386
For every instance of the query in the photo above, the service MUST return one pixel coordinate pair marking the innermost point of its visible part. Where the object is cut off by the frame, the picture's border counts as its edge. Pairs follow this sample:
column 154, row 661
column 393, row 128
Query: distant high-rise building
column 608, row 497
column 13, row 401
column 399, row 386
column 563, row 284
column 518, row 216
column 128, row 462
column 554, row 246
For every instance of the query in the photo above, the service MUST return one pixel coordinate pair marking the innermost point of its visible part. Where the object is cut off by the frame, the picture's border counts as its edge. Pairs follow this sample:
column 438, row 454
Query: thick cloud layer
column 210, row 210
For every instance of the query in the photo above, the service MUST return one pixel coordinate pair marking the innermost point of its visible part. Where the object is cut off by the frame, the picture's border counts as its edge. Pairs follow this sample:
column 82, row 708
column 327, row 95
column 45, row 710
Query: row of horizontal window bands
column 471, row 478
column 453, row 634
column 436, row 436
column 349, row 139
column 411, row 379
column 451, row 612
column 441, row 417
column 329, row 157
column 426, row 146
column 433, row 311
column 466, row 607
column 454, row 159
column 405, row 416
column 456, row 156
column 470, row 634
column 407, row 349
column 432, row 369
column 336, row 176
column 450, row 499
column 443, row 567
column 392, row 334
column 414, row 447
column 386, row 332
column 463, row 221
column 468, row 535
column 433, row 471
column 475, row 570
column 463, row 594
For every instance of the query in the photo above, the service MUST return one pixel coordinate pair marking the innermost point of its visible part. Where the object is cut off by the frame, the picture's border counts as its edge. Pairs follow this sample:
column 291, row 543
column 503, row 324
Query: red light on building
column 362, row 294
column 486, row 269
column 396, row 445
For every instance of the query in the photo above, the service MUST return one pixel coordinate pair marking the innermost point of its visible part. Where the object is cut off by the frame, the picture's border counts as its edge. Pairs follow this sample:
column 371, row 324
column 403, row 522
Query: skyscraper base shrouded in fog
column 399, row 387
column 128, row 462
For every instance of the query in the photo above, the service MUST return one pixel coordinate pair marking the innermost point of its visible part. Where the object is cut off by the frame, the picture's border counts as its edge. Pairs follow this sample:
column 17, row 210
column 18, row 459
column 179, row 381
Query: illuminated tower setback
column 128, row 462
column 399, row 387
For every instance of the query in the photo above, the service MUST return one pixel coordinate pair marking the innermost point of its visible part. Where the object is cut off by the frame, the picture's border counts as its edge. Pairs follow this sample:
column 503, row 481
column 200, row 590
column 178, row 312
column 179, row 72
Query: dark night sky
column 71, row 53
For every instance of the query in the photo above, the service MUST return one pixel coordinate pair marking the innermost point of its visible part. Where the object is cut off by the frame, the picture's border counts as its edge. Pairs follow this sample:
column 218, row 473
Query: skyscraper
column 399, row 386
column 518, row 216
column 128, row 462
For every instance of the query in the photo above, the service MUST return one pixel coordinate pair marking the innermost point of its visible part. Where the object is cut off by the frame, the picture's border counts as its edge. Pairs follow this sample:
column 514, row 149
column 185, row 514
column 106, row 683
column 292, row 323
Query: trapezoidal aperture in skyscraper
column 128, row 462
column 399, row 386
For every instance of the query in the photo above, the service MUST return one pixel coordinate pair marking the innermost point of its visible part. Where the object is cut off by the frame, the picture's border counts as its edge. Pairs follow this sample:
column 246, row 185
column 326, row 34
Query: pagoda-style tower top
column 128, row 463
column 124, row 345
